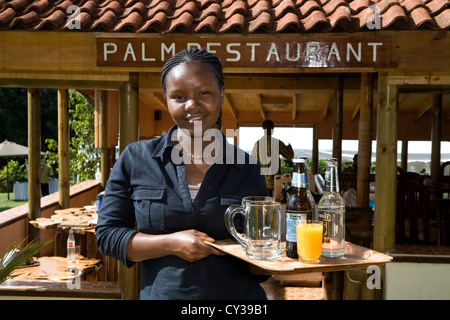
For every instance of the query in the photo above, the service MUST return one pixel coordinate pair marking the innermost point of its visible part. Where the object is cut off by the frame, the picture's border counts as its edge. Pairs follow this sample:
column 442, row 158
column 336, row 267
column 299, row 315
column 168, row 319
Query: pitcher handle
column 229, row 223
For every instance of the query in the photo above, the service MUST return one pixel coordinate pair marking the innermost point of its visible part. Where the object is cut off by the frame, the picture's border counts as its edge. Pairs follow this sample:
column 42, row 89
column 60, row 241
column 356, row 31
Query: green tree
column 14, row 113
column 83, row 154
column 13, row 172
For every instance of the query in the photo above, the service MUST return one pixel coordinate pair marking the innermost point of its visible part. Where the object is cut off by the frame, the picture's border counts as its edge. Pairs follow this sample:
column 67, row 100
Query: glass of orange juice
column 309, row 240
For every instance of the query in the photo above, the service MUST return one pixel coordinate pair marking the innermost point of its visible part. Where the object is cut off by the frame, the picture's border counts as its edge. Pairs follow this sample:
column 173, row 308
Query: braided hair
column 193, row 55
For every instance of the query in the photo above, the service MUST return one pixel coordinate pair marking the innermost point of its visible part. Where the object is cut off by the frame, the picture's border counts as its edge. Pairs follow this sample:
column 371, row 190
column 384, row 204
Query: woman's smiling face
column 194, row 95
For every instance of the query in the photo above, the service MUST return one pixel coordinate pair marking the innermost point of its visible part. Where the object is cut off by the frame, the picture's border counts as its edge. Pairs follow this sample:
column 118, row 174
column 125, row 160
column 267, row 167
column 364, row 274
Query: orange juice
column 309, row 241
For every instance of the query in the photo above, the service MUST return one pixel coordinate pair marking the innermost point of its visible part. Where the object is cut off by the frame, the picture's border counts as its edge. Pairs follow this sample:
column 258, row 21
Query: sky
column 301, row 138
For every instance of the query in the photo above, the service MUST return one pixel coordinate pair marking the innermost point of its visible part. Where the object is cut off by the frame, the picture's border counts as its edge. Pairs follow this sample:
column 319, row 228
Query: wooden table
column 82, row 221
column 78, row 219
column 57, row 269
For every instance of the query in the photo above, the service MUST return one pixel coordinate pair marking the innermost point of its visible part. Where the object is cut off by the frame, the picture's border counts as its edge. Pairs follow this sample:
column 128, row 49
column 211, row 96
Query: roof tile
column 225, row 16
column 209, row 23
column 213, row 10
column 290, row 20
column 157, row 23
column 316, row 17
column 283, row 8
column 263, row 21
column 443, row 19
column 106, row 21
column 341, row 13
column 38, row 6
column 261, row 6
column 131, row 22
column 436, row 6
column 237, row 7
column 7, row 15
column 188, row 7
column 236, row 21
column 180, row 22
column 113, row 6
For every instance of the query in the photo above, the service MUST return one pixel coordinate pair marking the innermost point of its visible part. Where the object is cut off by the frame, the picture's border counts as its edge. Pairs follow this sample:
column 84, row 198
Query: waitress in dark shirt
column 175, row 190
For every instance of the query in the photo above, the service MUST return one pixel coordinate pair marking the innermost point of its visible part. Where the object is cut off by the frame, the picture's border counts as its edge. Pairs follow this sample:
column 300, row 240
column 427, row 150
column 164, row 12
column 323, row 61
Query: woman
column 176, row 189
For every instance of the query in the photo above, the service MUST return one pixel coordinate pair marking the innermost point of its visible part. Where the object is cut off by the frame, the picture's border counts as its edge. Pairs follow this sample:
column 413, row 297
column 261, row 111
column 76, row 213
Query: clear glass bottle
column 331, row 210
column 298, row 207
column 71, row 246
column 98, row 173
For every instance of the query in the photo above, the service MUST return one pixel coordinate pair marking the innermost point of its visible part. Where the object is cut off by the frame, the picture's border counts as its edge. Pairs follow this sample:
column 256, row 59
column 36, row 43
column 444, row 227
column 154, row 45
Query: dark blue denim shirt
column 148, row 192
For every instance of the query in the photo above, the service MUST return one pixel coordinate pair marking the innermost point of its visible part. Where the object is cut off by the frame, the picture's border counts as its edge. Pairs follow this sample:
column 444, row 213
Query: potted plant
column 15, row 256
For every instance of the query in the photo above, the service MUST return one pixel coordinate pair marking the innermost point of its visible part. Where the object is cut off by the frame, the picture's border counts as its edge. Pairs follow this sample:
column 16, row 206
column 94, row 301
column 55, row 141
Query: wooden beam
column 160, row 97
column 34, row 160
column 327, row 105
column 230, row 105
column 386, row 173
column 261, row 108
column 355, row 108
column 425, row 105
column 60, row 84
column 364, row 140
column 63, row 149
column 295, row 105
column 269, row 84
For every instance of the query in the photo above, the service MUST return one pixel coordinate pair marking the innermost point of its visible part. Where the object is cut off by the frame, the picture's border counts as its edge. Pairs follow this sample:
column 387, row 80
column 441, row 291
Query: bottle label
column 291, row 224
column 325, row 217
column 70, row 244
column 298, row 179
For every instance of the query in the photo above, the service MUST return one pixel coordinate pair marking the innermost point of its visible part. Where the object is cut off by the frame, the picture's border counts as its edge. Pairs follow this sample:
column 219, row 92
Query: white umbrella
column 11, row 149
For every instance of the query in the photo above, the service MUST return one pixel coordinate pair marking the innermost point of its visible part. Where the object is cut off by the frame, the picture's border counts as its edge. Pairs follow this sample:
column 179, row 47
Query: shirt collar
column 165, row 146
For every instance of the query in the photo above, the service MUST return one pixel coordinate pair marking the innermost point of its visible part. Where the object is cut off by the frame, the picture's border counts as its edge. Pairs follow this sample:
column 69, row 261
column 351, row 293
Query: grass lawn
column 6, row 204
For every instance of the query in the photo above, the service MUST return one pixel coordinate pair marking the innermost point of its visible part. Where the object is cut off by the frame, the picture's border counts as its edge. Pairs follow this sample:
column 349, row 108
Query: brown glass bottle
column 298, row 207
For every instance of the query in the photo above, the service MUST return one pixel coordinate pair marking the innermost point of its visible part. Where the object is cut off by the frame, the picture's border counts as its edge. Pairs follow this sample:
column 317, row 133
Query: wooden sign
column 250, row 52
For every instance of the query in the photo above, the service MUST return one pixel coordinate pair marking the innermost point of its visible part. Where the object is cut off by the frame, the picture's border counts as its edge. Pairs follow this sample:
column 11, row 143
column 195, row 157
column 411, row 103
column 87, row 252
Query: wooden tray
column 356, row 257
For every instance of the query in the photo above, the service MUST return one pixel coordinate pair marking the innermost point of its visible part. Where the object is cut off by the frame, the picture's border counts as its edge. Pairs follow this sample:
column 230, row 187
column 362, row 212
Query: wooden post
column 34, row 159
column 337, row 121
column 101, row 108
column 404, row 162
column 129, row 123
column 386, row 169
column 63, row 149
column 129, row 111
column 365, row 140
column 436, row 136
column 315, row 152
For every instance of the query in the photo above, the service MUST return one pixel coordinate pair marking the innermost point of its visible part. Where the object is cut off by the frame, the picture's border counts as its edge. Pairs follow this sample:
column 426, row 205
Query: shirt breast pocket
column 149, row 208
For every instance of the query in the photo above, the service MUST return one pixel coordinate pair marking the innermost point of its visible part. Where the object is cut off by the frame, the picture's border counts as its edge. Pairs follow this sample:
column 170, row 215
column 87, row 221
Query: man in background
column 267, row 151
column 46, row 171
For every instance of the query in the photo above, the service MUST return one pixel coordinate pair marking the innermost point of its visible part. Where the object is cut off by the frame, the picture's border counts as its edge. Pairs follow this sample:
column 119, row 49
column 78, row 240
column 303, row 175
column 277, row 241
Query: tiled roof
column 224, row 16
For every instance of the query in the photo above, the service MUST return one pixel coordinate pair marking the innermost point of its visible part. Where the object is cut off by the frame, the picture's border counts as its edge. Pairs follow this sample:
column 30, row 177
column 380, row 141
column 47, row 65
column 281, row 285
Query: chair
column 444, row 176
column 359, row 226
column 443, row 223
column 412, row 219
